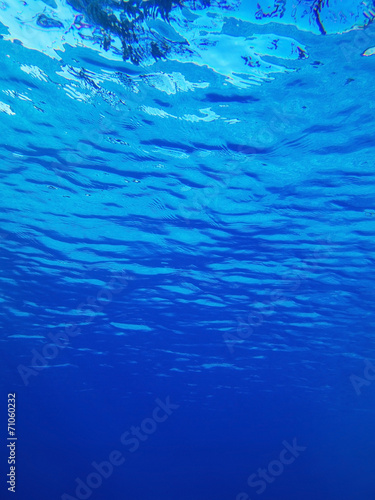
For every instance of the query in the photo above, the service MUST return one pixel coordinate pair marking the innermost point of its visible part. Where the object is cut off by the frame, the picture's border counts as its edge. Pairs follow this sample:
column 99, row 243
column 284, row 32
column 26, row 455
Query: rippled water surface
column 188, row 213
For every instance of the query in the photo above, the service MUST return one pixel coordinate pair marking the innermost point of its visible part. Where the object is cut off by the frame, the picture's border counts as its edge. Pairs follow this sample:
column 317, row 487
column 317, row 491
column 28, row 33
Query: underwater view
column 187, row 248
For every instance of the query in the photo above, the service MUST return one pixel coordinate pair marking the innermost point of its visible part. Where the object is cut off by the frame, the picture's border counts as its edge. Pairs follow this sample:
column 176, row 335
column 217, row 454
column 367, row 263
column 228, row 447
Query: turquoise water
column 187, row 249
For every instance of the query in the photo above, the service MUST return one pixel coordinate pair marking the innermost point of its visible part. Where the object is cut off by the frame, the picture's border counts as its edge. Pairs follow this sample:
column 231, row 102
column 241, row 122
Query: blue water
column 187, row 249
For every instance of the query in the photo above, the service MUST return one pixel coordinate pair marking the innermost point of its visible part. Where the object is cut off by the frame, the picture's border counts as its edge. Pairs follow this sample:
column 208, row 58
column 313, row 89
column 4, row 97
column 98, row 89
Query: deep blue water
column 187, row 249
